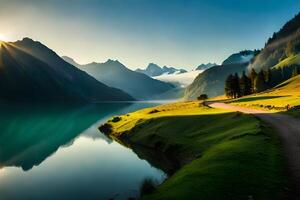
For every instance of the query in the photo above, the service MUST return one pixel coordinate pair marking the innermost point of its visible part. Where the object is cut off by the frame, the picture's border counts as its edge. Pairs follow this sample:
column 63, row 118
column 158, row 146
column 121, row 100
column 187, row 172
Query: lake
column 57, row 152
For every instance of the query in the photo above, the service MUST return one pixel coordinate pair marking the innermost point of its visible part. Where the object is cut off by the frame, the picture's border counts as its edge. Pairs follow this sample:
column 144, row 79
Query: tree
column 276, row 77
column 253, row 76
column 228, row 86
column 245, row 85
column 232, row 86
column 295, row 71
column 260, row 83
column 202, row 97
column 236, row 86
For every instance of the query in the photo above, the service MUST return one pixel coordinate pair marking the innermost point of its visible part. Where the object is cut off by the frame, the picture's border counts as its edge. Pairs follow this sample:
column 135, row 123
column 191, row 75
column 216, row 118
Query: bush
column 202, row 97
column 116, row 119
column 153, row 111
column 105, row 128
column 147, row 186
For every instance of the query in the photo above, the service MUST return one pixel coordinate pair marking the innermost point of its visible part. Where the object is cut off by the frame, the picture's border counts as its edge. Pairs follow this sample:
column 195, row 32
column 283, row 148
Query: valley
column 149, row 100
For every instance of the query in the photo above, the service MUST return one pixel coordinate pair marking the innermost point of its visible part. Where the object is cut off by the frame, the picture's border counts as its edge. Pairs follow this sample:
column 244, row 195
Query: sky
column 179, row 33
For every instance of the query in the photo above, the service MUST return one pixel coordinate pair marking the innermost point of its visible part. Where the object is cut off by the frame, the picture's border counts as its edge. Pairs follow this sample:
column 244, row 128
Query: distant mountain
column 154, row 70
column 205, row 66
column 29, row 71
column 71, row 61
column 212, row 80
column 238, row 58
column 115, row 74
column 281, row 47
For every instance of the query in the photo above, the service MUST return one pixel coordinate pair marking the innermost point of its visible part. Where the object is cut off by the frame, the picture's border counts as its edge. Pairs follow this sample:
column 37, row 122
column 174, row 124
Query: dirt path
column 288, row 129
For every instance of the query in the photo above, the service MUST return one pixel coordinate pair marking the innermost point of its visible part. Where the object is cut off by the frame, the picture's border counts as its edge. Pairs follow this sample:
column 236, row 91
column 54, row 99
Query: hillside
column 212, row 81
column 115, row 74
column 208, row 157
column 280, row 98
column 32, row 72
column 153, row 70
column 283, row 44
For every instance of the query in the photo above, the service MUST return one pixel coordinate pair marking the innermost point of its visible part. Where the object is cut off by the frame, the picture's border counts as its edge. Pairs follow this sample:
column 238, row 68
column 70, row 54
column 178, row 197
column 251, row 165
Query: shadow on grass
column 255, row 99
column 154, row 141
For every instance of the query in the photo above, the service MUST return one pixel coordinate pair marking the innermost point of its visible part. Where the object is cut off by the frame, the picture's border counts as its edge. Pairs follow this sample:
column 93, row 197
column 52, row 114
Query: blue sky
column 180, row 33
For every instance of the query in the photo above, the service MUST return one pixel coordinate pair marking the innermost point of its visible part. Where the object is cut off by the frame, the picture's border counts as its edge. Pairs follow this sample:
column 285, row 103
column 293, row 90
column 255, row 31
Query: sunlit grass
column 282, row 97
column 224, row 155
column 292, row 60
column 175, row 109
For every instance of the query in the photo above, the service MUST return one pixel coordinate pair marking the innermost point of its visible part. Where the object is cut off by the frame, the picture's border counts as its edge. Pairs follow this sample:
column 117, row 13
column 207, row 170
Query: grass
column 278, row 99
column 222, row 154
column 292, row 60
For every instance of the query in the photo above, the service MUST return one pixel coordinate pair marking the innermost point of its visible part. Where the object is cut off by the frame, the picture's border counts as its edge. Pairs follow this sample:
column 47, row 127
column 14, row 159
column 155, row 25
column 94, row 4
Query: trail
column 288, row 129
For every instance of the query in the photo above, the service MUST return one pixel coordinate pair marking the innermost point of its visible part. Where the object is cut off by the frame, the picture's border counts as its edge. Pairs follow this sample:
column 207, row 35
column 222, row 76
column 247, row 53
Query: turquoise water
column 57, row 152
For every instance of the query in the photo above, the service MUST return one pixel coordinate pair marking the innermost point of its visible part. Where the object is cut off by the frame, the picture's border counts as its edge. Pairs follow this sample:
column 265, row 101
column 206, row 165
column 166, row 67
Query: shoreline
column 146, row 137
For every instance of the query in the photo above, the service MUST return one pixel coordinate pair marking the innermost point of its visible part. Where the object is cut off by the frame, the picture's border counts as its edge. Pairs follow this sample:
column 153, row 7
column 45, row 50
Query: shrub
column 105, row 128
column 154, row 111
column 147, row 186
column 116, row 119
column 202, row 97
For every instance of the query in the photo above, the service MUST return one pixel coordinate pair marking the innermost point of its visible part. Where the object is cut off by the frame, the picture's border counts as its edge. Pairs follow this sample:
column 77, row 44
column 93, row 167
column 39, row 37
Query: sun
column 3, row 38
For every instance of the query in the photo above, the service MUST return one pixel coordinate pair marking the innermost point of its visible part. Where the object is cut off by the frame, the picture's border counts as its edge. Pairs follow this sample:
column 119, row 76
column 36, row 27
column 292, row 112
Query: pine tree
column 260, row 83
column 228, row 86
column 253, row 76
column 295, row 72
column 245, row 85
column 236, row 86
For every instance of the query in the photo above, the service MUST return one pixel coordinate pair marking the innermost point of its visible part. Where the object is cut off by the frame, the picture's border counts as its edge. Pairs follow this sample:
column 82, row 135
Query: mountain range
column 30, row 71
column 153, row 70
column 115, row 74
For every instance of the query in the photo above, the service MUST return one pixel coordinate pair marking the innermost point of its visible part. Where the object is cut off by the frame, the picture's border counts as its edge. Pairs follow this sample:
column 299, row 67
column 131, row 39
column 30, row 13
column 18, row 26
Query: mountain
column 212, row 80
column 115, row 74
column 205, row 66
column 282, row 46
column 71, row 61
column 154, row 70
column 29, row 71
column 241, row 57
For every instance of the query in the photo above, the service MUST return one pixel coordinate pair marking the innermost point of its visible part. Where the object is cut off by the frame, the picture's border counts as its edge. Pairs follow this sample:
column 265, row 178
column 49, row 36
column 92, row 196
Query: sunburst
column 3, row 38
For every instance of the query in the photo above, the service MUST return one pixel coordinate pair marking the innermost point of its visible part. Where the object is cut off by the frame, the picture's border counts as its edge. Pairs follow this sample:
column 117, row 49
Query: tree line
column 237, row 86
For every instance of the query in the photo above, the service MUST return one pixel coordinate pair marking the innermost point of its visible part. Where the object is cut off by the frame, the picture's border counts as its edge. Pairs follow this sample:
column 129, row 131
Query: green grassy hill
column 278, row 99
column 283, row 44
column 288, row 62
column 221, row 154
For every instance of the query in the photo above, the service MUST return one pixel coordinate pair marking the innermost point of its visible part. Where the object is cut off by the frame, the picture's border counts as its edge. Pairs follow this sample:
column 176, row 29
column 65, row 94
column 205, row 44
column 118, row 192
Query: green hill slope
column 213, row 160
column 282, row 97
column 290, row 61
column 283, row 44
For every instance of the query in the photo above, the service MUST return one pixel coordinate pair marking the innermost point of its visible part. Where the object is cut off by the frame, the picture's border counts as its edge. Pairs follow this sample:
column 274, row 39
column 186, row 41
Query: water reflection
column 62, row 154
column 29, row 134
